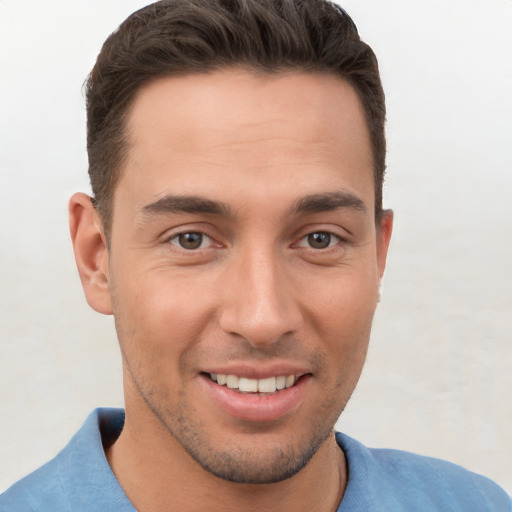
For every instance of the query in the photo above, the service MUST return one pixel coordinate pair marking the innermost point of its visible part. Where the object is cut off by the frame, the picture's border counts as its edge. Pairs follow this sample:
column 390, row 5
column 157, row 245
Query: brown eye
column 320, row 240
column 190, row 241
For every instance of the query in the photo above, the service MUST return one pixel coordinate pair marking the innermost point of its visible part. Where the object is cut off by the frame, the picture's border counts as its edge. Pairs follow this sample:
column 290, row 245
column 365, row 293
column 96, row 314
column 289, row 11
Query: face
column 244, row 265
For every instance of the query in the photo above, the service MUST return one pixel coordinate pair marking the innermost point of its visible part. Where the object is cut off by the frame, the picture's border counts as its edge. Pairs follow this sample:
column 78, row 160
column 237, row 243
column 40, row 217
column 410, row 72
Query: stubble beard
column 239, row 463
column 245, row 462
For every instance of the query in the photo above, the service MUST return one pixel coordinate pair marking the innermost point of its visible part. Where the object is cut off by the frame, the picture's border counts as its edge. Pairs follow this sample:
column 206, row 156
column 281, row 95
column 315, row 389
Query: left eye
column 191, row 240
column 319, row 240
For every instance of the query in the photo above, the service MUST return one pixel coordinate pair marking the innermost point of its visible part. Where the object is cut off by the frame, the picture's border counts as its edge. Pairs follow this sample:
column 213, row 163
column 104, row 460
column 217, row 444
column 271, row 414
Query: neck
column 158, row 475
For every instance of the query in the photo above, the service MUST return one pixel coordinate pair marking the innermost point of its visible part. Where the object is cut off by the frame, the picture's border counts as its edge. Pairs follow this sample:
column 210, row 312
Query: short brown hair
column 188, row 36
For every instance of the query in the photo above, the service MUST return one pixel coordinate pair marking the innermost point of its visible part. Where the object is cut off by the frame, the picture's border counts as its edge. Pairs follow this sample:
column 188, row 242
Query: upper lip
column 254, row 371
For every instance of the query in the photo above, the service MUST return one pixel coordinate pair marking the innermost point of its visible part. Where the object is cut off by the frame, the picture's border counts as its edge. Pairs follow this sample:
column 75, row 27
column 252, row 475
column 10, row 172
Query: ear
column 384, row 230
column 91, row 252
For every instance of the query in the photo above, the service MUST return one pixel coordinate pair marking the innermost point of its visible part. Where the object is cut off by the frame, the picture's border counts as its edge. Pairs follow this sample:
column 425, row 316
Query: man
column 237, row 235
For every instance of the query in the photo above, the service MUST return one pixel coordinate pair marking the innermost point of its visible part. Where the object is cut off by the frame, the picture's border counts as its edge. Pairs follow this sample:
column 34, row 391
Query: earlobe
column 91, row 252
column 384, row 230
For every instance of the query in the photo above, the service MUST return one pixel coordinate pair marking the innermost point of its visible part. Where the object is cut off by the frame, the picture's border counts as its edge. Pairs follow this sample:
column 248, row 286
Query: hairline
column 107, row 217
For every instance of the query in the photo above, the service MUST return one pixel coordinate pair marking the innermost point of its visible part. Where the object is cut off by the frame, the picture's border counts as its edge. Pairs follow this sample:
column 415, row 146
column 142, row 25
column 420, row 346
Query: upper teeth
column 268, row 385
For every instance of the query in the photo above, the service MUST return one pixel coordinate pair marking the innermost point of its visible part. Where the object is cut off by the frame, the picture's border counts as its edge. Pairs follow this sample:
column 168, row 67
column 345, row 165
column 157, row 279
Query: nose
column 259, row 301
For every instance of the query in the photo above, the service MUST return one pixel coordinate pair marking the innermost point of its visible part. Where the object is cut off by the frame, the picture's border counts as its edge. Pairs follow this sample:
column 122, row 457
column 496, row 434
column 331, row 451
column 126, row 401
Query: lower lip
column 257, row 406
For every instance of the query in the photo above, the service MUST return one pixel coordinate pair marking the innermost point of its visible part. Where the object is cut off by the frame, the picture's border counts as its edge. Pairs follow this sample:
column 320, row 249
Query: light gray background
column 438, row 379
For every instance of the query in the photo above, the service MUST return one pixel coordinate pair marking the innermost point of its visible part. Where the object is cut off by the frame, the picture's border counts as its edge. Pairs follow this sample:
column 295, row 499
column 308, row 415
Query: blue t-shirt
column 79, row 479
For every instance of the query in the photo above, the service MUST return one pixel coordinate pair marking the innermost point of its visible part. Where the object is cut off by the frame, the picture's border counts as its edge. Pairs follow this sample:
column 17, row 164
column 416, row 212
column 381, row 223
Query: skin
column 286, row 156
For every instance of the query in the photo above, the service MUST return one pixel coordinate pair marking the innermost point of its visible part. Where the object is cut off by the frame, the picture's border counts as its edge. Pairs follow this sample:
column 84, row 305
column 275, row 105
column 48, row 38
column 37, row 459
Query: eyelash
column 177, row 237
column 333, row 240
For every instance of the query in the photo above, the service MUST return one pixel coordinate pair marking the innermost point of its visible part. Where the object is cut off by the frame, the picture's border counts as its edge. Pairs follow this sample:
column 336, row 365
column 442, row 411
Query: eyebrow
column 313, row 203
column 187, row 204
column 317, row 203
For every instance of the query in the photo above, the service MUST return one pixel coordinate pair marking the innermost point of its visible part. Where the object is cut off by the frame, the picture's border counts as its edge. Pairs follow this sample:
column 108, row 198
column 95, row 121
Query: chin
column 255, row 464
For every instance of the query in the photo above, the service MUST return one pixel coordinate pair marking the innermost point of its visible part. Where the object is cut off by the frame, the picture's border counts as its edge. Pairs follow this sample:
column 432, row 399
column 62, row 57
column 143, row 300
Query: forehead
column 185, row 132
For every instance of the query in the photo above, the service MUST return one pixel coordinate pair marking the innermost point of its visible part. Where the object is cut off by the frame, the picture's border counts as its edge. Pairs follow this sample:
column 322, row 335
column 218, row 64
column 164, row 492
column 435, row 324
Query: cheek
column 342, row 318
column 344, row 301
column 157, row 321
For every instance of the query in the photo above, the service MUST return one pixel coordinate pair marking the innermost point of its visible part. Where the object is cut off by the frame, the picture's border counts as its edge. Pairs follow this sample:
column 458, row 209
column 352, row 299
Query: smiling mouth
column 245, row 385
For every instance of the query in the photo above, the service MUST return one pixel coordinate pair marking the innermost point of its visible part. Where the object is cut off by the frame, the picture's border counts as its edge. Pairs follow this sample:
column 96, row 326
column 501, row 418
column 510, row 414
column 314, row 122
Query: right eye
column 191, row 240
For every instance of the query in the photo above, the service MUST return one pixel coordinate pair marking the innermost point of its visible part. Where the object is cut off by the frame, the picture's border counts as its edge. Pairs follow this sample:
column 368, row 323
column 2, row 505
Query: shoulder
column 406, row 481
column 79, row 469
column 41, row 490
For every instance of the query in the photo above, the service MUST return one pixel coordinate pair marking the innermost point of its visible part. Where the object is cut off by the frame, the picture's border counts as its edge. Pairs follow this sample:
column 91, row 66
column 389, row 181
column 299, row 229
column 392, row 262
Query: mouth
column 257, row 394
column 268, row 385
